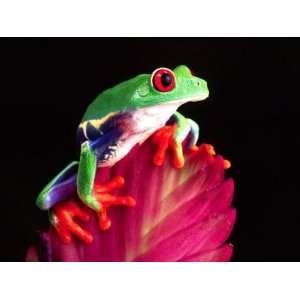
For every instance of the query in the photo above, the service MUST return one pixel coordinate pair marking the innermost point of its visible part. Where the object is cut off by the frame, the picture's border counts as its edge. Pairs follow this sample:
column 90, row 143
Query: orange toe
column 65, row 224
column 164, row 140
column 106, row 200
column 227, row 164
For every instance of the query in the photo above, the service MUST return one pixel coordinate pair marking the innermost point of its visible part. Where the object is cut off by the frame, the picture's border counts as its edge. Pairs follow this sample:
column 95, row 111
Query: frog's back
column 114, row 100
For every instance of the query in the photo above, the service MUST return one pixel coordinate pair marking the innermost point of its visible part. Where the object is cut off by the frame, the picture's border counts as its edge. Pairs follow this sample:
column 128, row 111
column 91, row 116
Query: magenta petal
column 181, row 214
column 201, row 236
column 192, row 212
column 221, row 254
column 32, row 254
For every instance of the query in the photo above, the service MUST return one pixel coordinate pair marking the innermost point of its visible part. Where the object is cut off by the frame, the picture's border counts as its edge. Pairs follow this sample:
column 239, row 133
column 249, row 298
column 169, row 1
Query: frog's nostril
column 198, row 83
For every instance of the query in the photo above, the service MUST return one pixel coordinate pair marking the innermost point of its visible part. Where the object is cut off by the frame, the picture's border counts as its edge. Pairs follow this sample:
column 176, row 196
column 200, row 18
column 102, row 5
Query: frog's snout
column 201, row 88
column 200, row 84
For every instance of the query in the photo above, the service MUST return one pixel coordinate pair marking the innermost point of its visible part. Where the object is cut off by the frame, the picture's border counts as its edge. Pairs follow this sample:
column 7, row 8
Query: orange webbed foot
column 106, row 200
column 164, row 139
column 62, row 219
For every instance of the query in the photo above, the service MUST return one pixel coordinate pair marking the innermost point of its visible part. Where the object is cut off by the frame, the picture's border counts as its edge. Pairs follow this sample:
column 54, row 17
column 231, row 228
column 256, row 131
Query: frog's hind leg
column 61, row 187
column 58, row 196
column 62, row 219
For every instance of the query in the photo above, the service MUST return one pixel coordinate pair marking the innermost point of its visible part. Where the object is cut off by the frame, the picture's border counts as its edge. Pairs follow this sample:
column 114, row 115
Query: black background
column 46, row 85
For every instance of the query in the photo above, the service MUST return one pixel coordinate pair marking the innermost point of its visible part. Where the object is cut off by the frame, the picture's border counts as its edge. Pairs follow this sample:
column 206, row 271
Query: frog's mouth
column 179, row 102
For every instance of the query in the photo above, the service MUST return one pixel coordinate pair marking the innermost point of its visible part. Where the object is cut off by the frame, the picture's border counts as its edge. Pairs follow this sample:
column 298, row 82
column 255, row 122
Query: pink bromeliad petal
column 180, row 214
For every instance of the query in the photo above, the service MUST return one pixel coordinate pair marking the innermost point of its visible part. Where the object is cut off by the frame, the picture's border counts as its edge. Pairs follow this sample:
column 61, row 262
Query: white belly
column 143, row 124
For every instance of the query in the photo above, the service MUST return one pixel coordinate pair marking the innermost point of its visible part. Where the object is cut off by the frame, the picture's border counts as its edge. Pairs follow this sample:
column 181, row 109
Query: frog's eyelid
column 158, row 69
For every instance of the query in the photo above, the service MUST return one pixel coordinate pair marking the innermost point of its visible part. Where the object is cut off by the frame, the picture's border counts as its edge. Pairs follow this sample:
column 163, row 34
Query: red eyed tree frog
column 117, row 120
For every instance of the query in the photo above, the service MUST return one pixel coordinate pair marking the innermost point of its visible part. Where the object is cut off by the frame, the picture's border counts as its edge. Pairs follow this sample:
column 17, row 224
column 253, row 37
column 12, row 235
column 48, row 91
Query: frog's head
column 163, row 86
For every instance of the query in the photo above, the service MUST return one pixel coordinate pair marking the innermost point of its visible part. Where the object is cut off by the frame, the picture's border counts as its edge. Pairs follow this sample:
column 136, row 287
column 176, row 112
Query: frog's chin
column 195, row 98
column 199, row 97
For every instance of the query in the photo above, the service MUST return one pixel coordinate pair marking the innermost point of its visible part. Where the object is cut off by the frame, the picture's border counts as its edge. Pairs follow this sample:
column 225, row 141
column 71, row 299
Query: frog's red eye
column 163, row 80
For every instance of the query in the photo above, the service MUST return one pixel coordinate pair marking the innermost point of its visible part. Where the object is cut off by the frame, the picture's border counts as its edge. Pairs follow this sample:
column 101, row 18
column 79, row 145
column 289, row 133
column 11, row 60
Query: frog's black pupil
column 166, row 79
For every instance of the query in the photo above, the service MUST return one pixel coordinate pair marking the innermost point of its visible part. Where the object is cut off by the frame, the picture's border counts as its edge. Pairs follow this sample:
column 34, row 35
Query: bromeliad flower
column 180, row 214
column 168, row 209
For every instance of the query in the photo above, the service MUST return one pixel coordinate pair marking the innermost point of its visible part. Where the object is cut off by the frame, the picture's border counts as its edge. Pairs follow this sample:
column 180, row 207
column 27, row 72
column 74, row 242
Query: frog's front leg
column 86, row 176
column 97, row 197
column 172, row 136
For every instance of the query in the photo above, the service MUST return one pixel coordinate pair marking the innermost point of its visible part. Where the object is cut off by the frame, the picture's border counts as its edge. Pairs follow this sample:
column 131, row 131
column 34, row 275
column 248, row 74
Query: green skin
column 140, row 96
